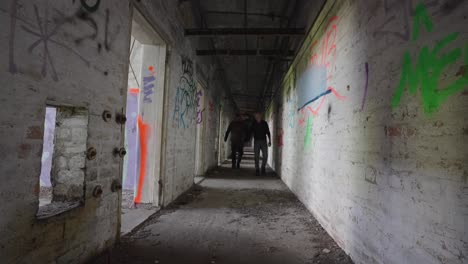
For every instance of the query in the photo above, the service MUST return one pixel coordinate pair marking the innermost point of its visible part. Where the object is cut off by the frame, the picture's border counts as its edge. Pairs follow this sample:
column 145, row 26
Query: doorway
column 143, row 129
column 200, row 140
column 220, row 136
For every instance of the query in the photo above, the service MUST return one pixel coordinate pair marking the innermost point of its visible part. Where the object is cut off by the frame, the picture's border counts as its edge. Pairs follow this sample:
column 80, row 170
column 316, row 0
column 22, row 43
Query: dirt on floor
column 231, row 217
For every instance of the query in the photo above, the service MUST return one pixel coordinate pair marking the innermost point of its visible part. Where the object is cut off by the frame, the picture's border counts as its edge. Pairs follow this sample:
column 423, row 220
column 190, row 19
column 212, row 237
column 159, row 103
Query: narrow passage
column 232, row 216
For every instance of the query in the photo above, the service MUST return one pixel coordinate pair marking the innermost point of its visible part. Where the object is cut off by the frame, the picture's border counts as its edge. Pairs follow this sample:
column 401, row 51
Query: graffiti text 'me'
column 429, row 67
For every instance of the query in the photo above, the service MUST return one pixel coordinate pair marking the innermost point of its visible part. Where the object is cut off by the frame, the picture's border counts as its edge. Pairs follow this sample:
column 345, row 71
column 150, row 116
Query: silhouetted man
column 237, row 129
column 260, row 131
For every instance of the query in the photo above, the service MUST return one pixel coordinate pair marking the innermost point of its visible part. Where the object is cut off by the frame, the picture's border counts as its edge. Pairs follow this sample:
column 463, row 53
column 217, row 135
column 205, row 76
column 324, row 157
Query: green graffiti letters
column 421, row 17
column 429, row 67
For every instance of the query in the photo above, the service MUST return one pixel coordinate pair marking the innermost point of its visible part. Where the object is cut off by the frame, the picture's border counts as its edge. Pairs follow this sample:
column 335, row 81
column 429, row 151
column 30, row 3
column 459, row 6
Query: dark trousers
column 260, row 145
column 237, row 150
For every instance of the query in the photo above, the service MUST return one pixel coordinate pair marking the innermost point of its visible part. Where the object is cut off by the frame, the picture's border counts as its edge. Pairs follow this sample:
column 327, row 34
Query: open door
column 144, row 111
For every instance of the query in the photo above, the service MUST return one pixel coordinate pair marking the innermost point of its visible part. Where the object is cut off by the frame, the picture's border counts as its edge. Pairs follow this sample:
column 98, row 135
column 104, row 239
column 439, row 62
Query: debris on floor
column 231, row 217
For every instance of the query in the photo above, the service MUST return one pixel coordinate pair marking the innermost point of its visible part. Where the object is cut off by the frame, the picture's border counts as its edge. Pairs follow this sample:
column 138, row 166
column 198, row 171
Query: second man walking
column 260, row 131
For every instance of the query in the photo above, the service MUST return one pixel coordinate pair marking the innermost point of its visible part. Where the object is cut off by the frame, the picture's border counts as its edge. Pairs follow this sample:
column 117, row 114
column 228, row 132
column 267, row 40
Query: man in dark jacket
column 238, row 132
column 260, row 131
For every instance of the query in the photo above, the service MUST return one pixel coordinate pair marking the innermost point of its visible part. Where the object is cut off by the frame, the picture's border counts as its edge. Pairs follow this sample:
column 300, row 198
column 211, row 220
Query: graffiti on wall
column 148, row 85
column 280, row 138
column 46, row 27
column 302, row 117
column 314, row 86
column 426, row 73
column 392, row 11
column 200, row 108
column 185, row 100
column 365, row 86
column 313, row 83
column 144, row 131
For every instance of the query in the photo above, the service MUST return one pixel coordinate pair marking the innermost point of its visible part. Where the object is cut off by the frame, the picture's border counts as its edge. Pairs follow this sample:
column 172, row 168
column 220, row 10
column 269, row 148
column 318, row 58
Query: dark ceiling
column 253, row 63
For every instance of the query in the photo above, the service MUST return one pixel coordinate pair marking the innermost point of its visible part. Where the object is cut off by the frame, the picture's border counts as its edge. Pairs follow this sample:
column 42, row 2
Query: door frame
column 154, row 176
column 200, row 133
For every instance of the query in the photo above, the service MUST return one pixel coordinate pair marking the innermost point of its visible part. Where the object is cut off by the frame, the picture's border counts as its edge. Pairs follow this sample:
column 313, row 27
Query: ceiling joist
column 245, row 31
column 245, row 52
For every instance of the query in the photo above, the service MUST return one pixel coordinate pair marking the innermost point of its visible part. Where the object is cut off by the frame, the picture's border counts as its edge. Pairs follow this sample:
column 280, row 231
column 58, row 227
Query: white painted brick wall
column 74, row 74
column 388, row 184
column 90, row 72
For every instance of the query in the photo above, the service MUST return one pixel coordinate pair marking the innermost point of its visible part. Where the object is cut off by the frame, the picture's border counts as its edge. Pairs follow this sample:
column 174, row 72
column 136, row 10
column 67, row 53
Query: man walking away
column 260, row 132
column 238, row 132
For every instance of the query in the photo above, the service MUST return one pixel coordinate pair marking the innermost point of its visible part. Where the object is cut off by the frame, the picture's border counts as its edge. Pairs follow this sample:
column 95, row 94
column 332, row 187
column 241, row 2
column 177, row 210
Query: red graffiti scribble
column 151, row 69
column 302, row 118
column 210, row 106
column 329, row 48
column 339, row 96
column 144, row 134
column 313, row 57
column 316, row 110
column 134, row 90
column 280, row 138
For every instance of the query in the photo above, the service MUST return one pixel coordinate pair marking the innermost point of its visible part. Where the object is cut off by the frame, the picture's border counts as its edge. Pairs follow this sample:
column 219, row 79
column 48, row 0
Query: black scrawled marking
column 84, row 16
column 450, row 5
column 90, row 8
column 408, row 10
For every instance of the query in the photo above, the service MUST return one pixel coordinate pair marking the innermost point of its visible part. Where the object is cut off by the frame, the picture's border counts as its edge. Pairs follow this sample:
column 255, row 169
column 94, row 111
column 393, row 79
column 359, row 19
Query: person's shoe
column 233, row 165
column 257, row 172
column 263, row 171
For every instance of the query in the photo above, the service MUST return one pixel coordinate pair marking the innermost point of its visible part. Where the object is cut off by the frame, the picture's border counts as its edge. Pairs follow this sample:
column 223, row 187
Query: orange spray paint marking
column 134, row 90
column 144, row 133
column 151, row 69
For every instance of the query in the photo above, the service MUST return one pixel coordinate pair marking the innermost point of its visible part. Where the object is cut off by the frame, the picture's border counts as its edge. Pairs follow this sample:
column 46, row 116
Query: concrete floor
column 230, row 217
column 134, row 214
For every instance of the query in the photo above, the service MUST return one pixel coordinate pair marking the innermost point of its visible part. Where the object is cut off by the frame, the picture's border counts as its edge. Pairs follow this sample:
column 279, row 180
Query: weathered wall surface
column 63, row 53
column 211, row 119
column 379, row 148
column 76, row 53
